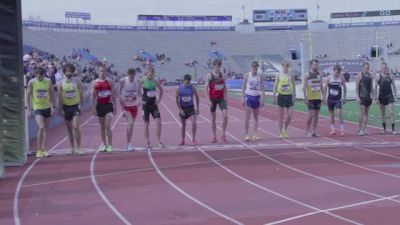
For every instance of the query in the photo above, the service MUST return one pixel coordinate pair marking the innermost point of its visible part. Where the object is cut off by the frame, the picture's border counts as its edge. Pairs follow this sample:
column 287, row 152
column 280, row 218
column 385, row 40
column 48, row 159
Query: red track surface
column 325, row 180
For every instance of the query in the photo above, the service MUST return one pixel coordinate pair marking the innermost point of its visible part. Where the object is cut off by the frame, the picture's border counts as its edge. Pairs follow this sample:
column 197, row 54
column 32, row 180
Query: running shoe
column 194, row 142
column 394, row 132
column 332, row 132
column 45, row 153
column 214, row 140
column 281, row 136
column 309, row 134
column 366, row 133
column 342, row 133
column 285, row 134
column 109, row 148
column 247, row 138
column 103, row 148
column 314, row 134
column 71, row 151
column 182, row 143
column 130, row 148
column 361, row 133
column 39, row 154
column 382, row 132
column 256, row 137
column 79, row 151
column 161, row 145
column 223, row 139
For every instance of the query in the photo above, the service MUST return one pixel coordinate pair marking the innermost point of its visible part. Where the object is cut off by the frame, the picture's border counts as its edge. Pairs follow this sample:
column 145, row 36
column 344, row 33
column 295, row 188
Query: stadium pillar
column 12, row 95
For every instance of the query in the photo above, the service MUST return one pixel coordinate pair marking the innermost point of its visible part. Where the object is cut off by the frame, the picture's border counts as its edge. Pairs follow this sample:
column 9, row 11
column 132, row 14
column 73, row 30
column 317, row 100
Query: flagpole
column 317, row 9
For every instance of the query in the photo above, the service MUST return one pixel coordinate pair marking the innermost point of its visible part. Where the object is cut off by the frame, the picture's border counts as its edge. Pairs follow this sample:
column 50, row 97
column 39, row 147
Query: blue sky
column 124, row 12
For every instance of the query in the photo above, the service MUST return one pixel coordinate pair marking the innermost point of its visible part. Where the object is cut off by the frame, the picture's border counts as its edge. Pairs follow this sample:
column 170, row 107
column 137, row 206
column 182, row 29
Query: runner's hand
column 182, row 113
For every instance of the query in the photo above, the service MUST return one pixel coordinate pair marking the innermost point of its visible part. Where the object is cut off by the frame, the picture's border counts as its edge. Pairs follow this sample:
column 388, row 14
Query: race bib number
column 151, row 93
column 42, row 94
column 285, row 87
column 70, row 94
column 254, row 86
column 219, row 87
column 333, row 92
column 315, row 88
column 186, row 98
column 104, row 94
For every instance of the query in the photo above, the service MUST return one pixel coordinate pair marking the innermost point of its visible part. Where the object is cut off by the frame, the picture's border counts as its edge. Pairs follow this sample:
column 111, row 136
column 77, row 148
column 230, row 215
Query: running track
column 325, row 180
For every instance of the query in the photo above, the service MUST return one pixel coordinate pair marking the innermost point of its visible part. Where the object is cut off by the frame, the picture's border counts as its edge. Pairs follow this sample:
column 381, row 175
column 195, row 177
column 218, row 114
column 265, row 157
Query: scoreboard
column 280, row 15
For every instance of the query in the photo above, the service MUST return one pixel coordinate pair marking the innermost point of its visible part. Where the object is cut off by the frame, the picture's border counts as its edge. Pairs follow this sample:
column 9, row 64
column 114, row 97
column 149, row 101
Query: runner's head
column 384, row 68
column 103, row 72
column 366, row 67
column 40, row 72
column 254, row 67
column 285, row 66
column 336, row 70
column 314, row 63
column 150, row 72
column 186, row 79
column 69, row 70
column 131, row 72
column 217, row 65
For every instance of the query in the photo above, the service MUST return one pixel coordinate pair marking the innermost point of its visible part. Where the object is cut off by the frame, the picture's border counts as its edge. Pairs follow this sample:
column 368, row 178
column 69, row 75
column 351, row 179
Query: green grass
column 350, row 110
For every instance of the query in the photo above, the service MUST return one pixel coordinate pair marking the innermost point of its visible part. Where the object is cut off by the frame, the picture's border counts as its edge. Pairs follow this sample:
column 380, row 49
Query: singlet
column 285, row 85
column 253, row 84
column 365, row 86
column 217, row 85
column 149, row 91
column 335, row 87
column 103, row 91
column 40, row 93
column 130, row 92
column 314, row 86
column 70, row 92
column 385, row 86
column 186, row 96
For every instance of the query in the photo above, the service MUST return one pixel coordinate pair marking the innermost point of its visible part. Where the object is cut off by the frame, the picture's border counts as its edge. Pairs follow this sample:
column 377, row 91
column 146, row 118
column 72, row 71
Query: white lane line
column 17, row 220
column 98, row 189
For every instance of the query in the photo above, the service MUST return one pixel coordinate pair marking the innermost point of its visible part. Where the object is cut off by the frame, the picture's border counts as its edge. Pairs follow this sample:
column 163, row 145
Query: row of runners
column 147, row 93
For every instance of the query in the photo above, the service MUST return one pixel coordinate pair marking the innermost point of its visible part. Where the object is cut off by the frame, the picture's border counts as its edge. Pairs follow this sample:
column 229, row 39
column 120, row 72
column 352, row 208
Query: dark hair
column 40, row 70
column 254, row 63
column 131, row 71
column 365, row 63
column 313, row 60
column 337, row 67
column 68, row 66
column 217, row 62
column 187, row 77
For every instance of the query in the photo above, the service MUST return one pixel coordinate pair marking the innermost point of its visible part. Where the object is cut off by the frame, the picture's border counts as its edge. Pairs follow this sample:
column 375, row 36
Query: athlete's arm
column 321, row 86
column 262, row 89
column 52, row 98
column 358, row 78
column 121, row 96
column 394, row 88
column 161, row 91
column 139, row 97
column 275, row 88
column 244, row 88
column 294, row 88
column 207, row 86
column 326, row 82
column 94, row 101
column 344, row 90
column 114, row 96
column 60, row 99
column 305, row 87
column 225, row 91
column 80, row 89
column 197, row 100
column 29, row 93
column 177, row 99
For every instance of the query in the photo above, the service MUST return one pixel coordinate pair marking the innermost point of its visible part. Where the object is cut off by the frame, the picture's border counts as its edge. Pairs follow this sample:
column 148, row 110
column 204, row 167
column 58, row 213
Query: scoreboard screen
column 280, row 15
